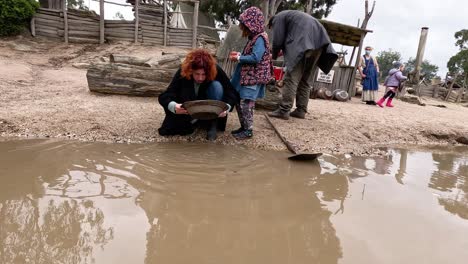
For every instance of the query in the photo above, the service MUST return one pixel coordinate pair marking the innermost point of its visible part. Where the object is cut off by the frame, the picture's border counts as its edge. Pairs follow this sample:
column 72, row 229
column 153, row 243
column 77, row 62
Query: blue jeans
column 215, row 91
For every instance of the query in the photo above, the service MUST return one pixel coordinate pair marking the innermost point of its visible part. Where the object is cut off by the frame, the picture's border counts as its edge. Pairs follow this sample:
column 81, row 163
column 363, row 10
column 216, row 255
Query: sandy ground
column 42, row 95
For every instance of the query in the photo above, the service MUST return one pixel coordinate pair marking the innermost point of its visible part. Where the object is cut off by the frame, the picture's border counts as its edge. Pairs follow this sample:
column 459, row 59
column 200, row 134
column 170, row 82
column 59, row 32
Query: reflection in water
column 223, row 205
column 451, row 178
column 237, row 214
column 64, row 232
column 101, row 203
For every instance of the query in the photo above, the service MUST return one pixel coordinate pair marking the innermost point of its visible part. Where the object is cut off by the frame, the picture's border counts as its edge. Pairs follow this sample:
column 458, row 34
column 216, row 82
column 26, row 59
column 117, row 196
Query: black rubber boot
column 237, row 131
column 212, row 130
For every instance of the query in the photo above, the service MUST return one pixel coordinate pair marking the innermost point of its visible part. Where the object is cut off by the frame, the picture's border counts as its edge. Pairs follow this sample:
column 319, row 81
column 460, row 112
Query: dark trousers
column 298, row 82
column 390, row 94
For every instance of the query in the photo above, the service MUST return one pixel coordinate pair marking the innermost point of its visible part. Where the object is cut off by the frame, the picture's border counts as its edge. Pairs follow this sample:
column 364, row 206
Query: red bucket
column 278, row 72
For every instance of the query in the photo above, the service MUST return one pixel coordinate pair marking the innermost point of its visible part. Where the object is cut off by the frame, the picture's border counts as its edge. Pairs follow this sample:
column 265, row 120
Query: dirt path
column 42, row 95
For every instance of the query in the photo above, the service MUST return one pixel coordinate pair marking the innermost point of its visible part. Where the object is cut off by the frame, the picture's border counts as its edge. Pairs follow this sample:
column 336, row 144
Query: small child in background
column 392, row 82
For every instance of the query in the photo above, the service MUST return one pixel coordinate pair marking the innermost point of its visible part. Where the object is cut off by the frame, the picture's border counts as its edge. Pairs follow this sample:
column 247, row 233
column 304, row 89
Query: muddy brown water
column 70, row 202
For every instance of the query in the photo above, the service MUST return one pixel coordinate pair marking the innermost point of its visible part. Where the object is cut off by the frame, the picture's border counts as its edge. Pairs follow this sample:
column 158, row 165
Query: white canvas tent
column 177, row 20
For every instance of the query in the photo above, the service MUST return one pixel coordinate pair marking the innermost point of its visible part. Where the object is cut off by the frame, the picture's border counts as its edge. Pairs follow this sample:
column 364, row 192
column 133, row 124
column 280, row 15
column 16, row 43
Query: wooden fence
column 151, row 24
column 454, row 95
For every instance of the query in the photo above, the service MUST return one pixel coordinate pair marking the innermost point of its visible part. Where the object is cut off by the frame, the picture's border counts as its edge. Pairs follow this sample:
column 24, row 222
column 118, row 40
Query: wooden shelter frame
column 61, row 5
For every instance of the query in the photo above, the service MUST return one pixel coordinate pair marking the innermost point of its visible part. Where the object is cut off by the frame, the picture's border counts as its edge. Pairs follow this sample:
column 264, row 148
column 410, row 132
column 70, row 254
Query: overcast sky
column 397, row 25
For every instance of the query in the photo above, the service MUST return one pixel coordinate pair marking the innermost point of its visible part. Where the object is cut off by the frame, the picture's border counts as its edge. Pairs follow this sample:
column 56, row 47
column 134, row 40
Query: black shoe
column 237, row 131
column 246, row 134
column 212, row 130
column 279, row 114
column 298, row 114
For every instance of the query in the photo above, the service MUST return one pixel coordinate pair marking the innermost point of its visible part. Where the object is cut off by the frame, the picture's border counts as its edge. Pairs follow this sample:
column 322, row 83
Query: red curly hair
column 199, row 59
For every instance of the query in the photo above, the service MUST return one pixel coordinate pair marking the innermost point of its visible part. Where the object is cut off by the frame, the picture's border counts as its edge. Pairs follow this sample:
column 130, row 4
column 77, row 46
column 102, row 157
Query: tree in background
column 428, row 70
column 224, row 10
column 317, row 8
column 118, row 16
column 386, row 59
column 462, row 39
column 459, row 62
column 77, row 4
column 15, row 15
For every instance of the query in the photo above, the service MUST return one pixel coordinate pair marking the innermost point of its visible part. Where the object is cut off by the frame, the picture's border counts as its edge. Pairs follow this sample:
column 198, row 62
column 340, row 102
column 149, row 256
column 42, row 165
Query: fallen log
column 271, row 100
column 164, row 62
column 114, row 58
column 115, row 78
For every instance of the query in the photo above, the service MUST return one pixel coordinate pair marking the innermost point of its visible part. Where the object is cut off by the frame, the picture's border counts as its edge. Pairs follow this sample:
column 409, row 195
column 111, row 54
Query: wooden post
column 461, row 91
column 310, row 7
column 265, row 9
column 165, row 23
column 65, row 20
column 195, row 24
column 33, row 27
column 101, row 22
column 367, row 16
column 420, row 54
column 449, row 92
column 352, row 56
column 352, row 81
column 435, row 93
column 137, row 19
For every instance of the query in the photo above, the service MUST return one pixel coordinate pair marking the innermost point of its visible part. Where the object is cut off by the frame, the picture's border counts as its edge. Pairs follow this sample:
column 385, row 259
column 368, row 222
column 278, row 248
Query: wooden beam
column 195, row 24
column 112, row 3
column 451, row 87
column 420, row 53
column 212, row 28
column 33, row 27
column 137, row 19
column 174, row 12
column 101, row 22
column 48, row 17
column 165, row 24
column 65, row 21
column 41, row 9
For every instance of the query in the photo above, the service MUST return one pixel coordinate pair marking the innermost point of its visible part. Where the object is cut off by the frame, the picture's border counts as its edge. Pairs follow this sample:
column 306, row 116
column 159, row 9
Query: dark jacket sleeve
column 230, row 96
column 172, row 91
column 279, row 34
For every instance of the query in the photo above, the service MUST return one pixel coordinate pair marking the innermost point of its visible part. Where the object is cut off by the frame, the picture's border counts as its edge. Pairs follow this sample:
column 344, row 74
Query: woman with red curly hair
column 199, row 78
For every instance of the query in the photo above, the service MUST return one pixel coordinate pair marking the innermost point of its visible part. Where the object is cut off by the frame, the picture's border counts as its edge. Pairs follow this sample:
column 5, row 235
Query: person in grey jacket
column 393, row 82
column 305, row 45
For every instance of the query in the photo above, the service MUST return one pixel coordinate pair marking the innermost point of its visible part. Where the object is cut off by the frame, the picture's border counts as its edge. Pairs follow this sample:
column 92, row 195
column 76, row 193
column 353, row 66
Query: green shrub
column 15, row 15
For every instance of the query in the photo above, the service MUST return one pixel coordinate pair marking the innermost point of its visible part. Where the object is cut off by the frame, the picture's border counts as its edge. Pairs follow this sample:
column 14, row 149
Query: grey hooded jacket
column 296, row 32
